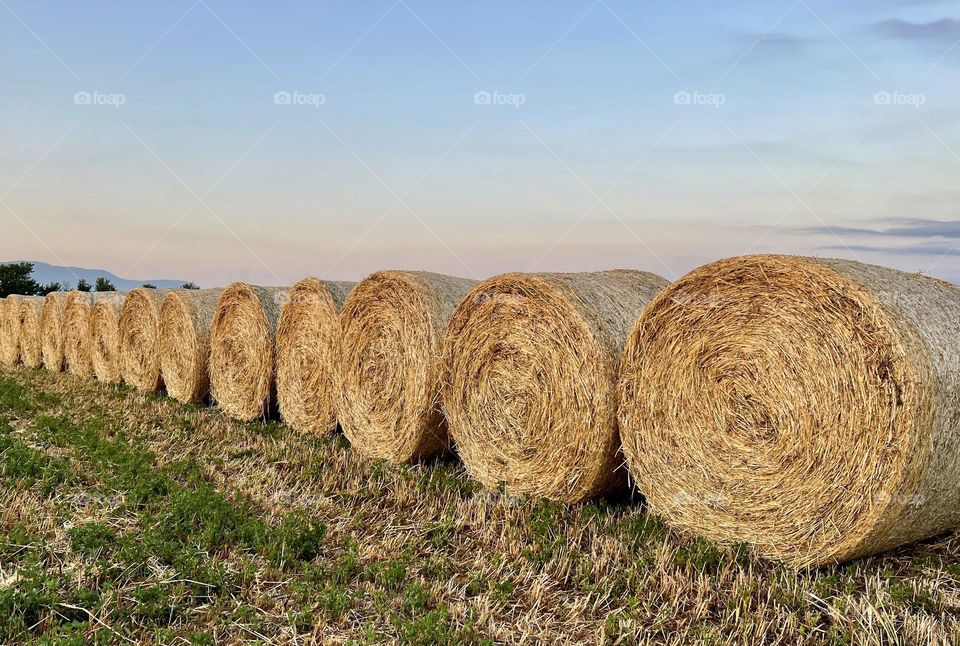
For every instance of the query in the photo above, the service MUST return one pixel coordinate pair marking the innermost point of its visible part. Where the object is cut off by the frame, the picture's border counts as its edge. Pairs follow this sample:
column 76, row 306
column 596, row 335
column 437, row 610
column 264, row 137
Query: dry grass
column 105, row 337
column 51, row 330
column 139, row 343
column 394, row 323
column 185, row 319
column 807, row 407
column 31, row 355
column 417, row 554
column 10, row 330
column 530, row 391
column 308, row 354
column 242, row 351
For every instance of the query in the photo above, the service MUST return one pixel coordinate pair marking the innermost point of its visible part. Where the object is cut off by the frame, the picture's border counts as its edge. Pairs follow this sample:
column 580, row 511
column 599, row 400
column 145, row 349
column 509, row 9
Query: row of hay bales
column 808, row 407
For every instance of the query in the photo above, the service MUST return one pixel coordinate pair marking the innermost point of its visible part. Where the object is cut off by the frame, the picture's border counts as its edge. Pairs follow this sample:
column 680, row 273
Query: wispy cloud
column 935, row 251
column 942, row 30
column 898, row 228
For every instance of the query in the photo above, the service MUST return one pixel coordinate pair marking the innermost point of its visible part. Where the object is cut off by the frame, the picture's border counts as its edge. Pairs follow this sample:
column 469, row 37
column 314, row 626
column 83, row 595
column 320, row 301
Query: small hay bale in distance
column 105, row 336
column 807, row 407
column 30, row 353
column 51, row 330
column 308, row 354
column 242, row 352
column 185, row 318
column 139, row 347
column 76, row 334
column 393, row 325
column 10, row 330
column 530, row 393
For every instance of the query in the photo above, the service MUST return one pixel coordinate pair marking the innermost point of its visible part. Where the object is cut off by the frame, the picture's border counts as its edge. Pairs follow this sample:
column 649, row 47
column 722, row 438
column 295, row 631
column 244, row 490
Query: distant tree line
column 17, row 278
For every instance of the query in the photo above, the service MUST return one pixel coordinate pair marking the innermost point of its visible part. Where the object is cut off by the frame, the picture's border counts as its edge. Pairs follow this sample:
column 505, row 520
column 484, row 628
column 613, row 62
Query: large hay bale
column 105, row 336
column 308, row 354
column 30, row 352
column 242, row 352
column 76, row 334
column 530, row 393
column 806, row 406
column 10, row 330
column 51, row 330
column 393, row 325
column 139, row 347
column 185, row 318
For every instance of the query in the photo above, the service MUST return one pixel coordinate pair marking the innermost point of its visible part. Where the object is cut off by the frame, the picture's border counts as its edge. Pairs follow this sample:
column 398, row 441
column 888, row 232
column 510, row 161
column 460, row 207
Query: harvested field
column 131, row 517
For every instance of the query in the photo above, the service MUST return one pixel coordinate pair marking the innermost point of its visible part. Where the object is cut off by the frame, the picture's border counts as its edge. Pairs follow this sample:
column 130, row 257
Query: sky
column 216, row 141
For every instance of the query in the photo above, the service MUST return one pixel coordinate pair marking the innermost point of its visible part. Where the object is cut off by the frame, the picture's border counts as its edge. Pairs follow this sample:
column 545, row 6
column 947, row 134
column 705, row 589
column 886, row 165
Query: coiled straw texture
column 185, row 319
column 242, row 352
column 808, row 407
column 104, row 333
column 394, row 324
column 139, row 344
column 530, row 393
column 308, row 354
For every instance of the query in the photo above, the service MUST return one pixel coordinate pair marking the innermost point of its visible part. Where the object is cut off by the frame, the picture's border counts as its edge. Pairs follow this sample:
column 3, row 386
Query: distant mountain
column 46, row 273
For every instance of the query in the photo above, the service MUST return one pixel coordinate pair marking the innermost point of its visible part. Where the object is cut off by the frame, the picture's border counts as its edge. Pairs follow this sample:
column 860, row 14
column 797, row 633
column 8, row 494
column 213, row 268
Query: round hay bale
column 30, row 353
column 308, row 354
column 530, row 393
column 139, row 347
column 242, row 350
column 185, row 318
column 105, row 336
column 393, row 325
column 76, row 334
column 805, row 406
column 10, row 330
column 51, row 330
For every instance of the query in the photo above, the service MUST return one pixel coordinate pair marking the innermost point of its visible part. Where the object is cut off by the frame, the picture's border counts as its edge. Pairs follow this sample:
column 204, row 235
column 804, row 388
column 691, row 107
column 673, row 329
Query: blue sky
column 472, row 138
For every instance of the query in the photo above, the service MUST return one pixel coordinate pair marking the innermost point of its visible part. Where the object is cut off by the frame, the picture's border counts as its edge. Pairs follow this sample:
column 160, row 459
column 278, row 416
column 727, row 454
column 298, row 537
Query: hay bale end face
column 242, row 349
column 76, row 334
column 30, row 353
column 10, row 330
column 139, row 347
column 51, row 330
column 105, row 336
column 393, row 325
column 530, row 391
column 805, row 406
column 185, row 319
column 308, row 354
